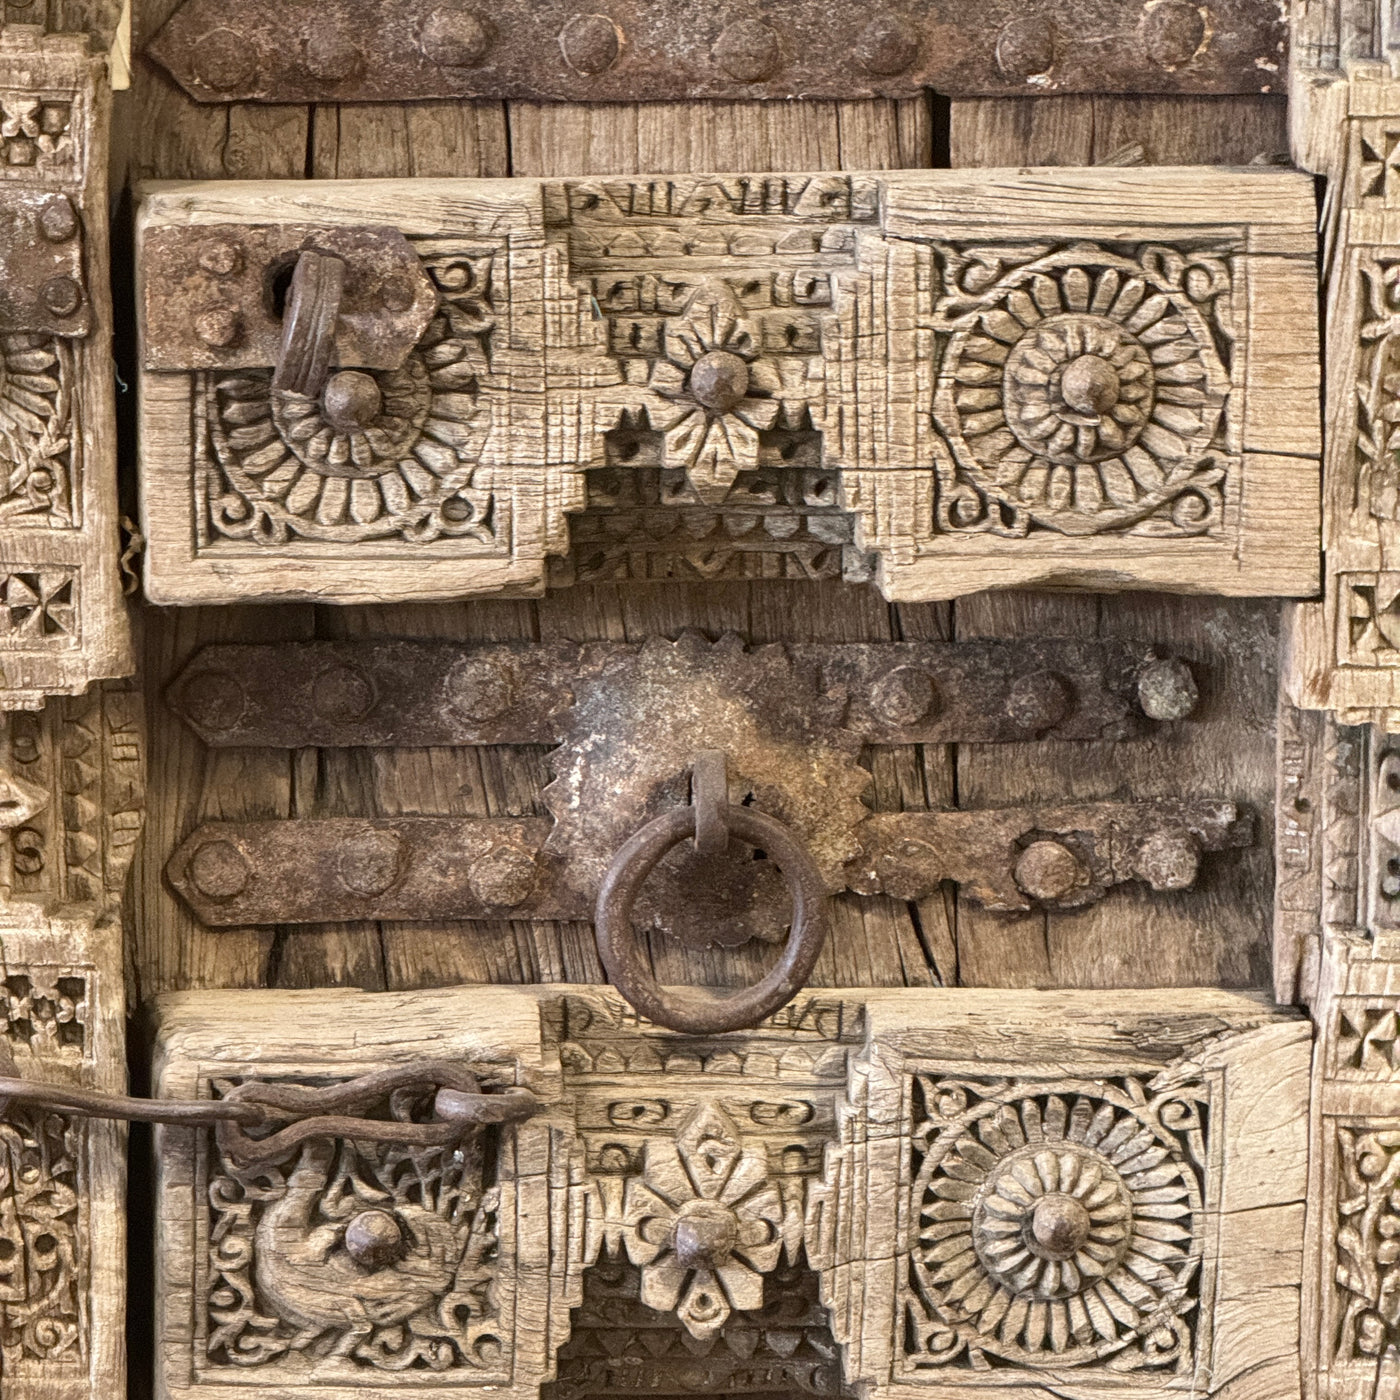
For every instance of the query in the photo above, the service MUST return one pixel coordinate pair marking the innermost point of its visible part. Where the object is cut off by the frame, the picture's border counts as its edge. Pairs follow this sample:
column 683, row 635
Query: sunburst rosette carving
column 1056, row 1228
column 1083, row 390
column 377, row 454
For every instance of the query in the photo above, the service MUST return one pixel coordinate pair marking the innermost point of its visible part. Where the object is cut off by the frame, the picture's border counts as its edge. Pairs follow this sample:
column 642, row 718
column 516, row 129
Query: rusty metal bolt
column 1169, row 860
column 374, row 1239
column 455, row 37
column 504, row 876
column 219, row 870
column 219, row 327
column 590, row 43
column 1039, row 701
column 370, row 862
column 1026, row 47
column 1167, row 690
column 351, row 400
column 61, row 296
column 58, row 220
column 342, row 694
column 748, row 50
column 1049, row 870
column 224, row 59
column 213, row 700
column 397, row 294
column 904, row 696
column 330, row 54
column 1172, row 31
column 887, row 46
column 221, row 257
column 719, row 380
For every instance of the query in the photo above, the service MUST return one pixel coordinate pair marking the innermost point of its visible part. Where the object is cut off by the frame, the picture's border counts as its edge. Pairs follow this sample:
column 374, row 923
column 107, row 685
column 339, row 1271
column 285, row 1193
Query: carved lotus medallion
column 1084, row 390
column 36, row 429
column 1059, row 1227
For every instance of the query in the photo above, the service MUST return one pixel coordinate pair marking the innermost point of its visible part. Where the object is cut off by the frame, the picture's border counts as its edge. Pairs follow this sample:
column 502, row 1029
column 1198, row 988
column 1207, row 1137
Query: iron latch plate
column 41, row 264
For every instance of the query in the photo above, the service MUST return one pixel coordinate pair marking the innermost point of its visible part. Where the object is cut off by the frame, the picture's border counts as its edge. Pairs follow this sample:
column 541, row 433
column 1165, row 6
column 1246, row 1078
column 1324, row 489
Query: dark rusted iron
column 1060, row 856
column 626, row 959
column 305, row 871
column 41, row 264
column 637, row 50
column 460, row 1103
column 421, row 693
column 217, row 296
column 309, row 323
column 246, row 874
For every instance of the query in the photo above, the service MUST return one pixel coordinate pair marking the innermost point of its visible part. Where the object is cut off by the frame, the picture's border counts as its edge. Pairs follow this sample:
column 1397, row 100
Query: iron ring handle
column 702, row 1013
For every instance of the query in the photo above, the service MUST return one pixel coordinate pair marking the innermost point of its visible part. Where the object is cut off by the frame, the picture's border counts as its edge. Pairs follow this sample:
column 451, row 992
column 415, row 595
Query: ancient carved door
column 714, row 683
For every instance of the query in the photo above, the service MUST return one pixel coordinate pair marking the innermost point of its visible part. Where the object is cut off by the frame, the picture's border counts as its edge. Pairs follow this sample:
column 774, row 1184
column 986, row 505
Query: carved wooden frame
column 892, row 315
column 807, row 1136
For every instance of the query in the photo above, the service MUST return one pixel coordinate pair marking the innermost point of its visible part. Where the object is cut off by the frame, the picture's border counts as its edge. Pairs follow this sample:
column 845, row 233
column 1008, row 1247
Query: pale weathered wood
column 849, row 1134
column 1201, row 478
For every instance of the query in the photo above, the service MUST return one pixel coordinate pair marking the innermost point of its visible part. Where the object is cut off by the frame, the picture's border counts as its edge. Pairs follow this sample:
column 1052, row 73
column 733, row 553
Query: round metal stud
column 748, row 50
column 219, row 870
column 590, row 43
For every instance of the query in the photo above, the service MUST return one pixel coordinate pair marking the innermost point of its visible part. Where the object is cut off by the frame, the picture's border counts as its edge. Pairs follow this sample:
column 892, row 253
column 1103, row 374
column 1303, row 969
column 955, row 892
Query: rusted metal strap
column 240, row 874
column 460, row 1103
column 640, row 50
column 413, row 694
column 41, row 264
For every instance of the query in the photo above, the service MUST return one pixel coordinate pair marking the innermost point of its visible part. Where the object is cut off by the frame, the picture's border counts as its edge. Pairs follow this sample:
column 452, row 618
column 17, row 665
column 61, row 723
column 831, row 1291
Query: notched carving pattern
column 351, row 1259
column 1057, row 1225
column 45, row 1008
column 36, row 134
column 1083, row 388
column 379, row 454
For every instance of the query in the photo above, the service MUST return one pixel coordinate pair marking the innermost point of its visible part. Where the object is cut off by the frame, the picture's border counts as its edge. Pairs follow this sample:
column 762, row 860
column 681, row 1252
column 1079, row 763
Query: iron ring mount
column 693, row 1010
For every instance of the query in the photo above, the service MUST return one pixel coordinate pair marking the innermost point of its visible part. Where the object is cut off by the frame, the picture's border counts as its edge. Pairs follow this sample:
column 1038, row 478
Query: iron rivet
column 1173, row 32
column 219, row 870
column 590, row 43
column 1049, row 870
column 748, row 50
column 330, row 54
column 351, row 400
column 1060, row 1225
column 1169, row 860
column 397, row 294
column 58, row 221
column 1039, row 701
column 342, row 694
column 369, row 863
column 1167, row 690
column 719, row 380
column 455, row 38
column 61, row 295
column 887, row 46
column 904, row 696
column 223, row 59
column 704, row 1234
column 214, row 700
column 374, row 1239
column 219, row 327
column 504, row 876
column 1026, row 47
column 220, row 257
column 479, row 689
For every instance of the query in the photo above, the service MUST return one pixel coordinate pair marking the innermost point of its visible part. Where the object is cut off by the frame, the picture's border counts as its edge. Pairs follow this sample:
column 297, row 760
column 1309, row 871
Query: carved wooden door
column 761, row 723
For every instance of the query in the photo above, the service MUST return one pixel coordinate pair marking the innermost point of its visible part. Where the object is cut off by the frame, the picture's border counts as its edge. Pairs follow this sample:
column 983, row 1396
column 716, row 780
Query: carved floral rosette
column 396, row 462
column 1058, row 1225
column 1083, row 389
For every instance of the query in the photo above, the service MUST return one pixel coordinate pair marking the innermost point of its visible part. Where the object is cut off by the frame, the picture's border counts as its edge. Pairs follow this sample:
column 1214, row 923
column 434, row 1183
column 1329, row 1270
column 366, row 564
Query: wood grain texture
column 838, row 1124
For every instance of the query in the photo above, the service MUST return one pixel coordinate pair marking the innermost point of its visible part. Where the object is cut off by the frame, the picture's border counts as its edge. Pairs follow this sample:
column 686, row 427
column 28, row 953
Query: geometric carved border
column 841, row 1136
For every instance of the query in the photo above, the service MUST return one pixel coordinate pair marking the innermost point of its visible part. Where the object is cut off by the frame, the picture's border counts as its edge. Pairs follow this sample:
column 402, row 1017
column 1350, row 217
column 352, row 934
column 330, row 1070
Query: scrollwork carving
column 1084, row 388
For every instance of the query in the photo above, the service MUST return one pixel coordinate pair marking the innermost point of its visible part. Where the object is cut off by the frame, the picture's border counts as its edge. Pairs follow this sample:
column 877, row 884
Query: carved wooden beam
column 62, row 619
column 1099, row 378
column 872, row 1192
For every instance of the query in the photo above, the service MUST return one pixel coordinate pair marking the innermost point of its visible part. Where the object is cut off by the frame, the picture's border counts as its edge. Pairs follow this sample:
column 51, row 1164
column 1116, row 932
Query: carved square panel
column 62, row 618
column 62, row 1178
column 1104, row 378
column 872, row 1192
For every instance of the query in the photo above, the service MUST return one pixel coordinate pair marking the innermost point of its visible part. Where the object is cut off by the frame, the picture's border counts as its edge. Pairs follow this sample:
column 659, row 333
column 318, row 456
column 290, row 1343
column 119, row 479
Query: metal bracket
column 637, row 50
column 219, row 296
column 41, row 264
